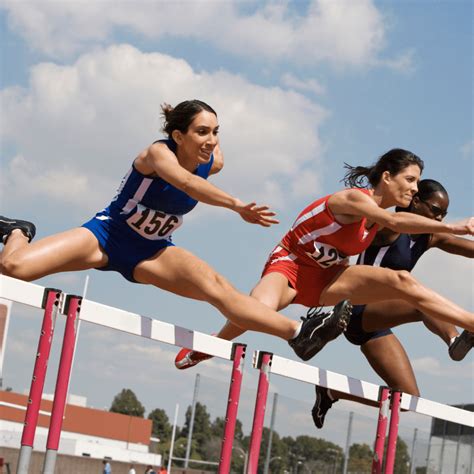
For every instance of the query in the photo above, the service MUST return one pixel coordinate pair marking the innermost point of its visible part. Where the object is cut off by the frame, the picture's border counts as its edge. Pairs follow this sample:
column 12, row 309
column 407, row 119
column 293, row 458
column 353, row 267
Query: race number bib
column 152, row 224
column 326, row 255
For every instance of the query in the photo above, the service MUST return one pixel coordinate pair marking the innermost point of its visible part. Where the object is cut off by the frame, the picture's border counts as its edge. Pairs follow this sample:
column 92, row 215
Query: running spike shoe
column 319, row 328
column 322, row 405
column 187, row 358
column 461, row 345
column 8, row 225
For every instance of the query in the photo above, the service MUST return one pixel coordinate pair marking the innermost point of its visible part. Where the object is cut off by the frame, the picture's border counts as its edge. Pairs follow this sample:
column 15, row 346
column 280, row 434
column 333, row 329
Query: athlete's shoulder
column 163, row 144
column 351, row 194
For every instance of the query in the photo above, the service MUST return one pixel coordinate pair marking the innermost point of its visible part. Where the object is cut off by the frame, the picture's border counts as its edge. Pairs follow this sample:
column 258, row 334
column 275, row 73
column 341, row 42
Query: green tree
column 311, row 454
column 201, row 427
column 127, row 403
column 402, row 458
column 316, row 449
column 217, row 428
column 161, row 427
column 360, row 458
column 278, row 453
column 210, row 450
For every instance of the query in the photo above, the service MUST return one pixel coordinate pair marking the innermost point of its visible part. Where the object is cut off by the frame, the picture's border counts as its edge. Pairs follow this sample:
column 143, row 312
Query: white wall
column 76, row 444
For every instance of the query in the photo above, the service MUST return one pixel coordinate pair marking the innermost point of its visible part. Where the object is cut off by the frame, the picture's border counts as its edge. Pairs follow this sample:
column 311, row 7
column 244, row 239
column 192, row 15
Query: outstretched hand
column 256, row 214
column 464, row 227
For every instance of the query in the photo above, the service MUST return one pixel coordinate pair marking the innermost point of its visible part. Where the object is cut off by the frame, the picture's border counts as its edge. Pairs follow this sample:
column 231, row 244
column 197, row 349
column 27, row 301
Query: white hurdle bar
column 85, row 310
column 269, row 363
column 154, row 329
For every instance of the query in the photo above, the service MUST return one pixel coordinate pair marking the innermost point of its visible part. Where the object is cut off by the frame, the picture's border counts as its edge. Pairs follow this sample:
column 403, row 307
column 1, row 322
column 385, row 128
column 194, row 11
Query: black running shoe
column 322, row 405
column 8, row 225
column 461, row 345
column 319, row 328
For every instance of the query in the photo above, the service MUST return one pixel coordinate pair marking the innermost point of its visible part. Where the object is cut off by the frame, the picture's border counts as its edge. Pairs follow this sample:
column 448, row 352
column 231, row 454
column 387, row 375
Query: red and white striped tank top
column 316, row 236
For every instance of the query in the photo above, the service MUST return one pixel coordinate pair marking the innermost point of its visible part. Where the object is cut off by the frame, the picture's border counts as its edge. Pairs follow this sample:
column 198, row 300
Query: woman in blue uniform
column 133, row 234
column 370, row 324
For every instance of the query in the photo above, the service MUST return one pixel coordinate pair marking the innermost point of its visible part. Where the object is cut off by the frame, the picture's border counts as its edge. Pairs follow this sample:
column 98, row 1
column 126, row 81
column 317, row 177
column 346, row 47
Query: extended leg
column 364, row 284
column 389, row 314
column 177, row 270
column 73, row 250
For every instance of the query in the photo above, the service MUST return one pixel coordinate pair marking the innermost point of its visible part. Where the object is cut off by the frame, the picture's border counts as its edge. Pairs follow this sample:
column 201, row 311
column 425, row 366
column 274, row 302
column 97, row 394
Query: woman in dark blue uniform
column 370, row 324
column 133, row 234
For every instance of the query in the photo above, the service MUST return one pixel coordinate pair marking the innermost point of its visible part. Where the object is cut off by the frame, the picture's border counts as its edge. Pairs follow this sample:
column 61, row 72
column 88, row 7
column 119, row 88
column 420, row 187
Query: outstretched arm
column 351, row 203
column 452, row 244
column 165, row 164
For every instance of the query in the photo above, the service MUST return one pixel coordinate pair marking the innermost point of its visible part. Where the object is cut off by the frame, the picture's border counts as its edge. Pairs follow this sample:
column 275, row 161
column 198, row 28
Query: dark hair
column 426, row 189
column 181, row 116
column 393, row 161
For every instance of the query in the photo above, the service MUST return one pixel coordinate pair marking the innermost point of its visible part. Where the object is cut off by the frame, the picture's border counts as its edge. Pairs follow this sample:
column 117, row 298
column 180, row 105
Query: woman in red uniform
column 370, row 325
column 310, row 264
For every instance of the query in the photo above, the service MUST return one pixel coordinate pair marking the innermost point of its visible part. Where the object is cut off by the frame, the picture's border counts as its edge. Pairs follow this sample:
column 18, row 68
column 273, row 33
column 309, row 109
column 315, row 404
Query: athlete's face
column 433, row 207
column 201, row 137
column 403, row 186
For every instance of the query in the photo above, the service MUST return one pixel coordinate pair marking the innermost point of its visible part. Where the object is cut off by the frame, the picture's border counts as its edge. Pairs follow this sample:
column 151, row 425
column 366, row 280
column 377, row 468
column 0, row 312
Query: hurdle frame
column 388, row 400
column 382, row 422
column 132, row 323
column 50, row 304
column 72, row 307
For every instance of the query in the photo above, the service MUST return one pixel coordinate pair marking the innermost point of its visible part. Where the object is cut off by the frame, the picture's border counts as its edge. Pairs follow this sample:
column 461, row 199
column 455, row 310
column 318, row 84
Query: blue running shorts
column 355, row 334
column 124, row 247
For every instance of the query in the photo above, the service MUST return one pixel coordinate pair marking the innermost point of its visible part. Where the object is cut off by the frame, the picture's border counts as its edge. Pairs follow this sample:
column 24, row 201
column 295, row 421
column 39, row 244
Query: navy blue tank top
column 400, row 255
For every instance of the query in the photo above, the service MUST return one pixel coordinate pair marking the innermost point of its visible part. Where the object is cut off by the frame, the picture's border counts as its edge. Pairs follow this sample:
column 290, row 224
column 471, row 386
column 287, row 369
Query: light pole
column 274, row 458
column 297, row 461
column 245, row 456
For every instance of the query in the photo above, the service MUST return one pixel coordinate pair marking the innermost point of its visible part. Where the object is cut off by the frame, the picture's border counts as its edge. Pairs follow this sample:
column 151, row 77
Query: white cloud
column 308, row 85
column 457, row 285
column 343, row 32
column 404, row 63
column 67, row 186
column 467, row 149
column 432, row 366
column 87, row 121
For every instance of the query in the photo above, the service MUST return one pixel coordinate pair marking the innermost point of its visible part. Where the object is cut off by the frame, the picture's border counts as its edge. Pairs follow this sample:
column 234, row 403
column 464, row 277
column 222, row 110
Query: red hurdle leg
column 232, row 408
column 72, row 307
column 381, row 430
column 50, row 305
column 396, row 397
column 264, row 362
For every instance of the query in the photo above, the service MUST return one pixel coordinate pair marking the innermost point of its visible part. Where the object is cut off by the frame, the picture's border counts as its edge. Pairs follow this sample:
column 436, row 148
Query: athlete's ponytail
column 393, row 161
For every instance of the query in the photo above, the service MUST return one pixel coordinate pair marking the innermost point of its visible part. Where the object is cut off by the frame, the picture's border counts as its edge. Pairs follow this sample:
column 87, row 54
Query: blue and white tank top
column 152, row 207
column 402, row 254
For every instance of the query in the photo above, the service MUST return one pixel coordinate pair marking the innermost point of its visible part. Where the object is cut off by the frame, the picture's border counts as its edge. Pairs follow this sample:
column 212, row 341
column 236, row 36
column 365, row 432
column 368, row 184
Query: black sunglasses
column 435, row 210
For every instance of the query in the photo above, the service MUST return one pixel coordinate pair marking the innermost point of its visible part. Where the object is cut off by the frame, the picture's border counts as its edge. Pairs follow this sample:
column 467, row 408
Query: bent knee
column 10, row 267
column 15, row 268
column 218, row 290
column 403, row 279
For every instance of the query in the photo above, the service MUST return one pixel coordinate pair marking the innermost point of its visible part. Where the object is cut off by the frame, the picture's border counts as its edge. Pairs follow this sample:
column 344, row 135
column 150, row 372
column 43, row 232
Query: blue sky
column 299, row 87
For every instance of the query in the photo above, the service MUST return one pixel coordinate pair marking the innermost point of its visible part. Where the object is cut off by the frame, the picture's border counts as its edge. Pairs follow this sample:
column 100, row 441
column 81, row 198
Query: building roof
column 83, row 420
